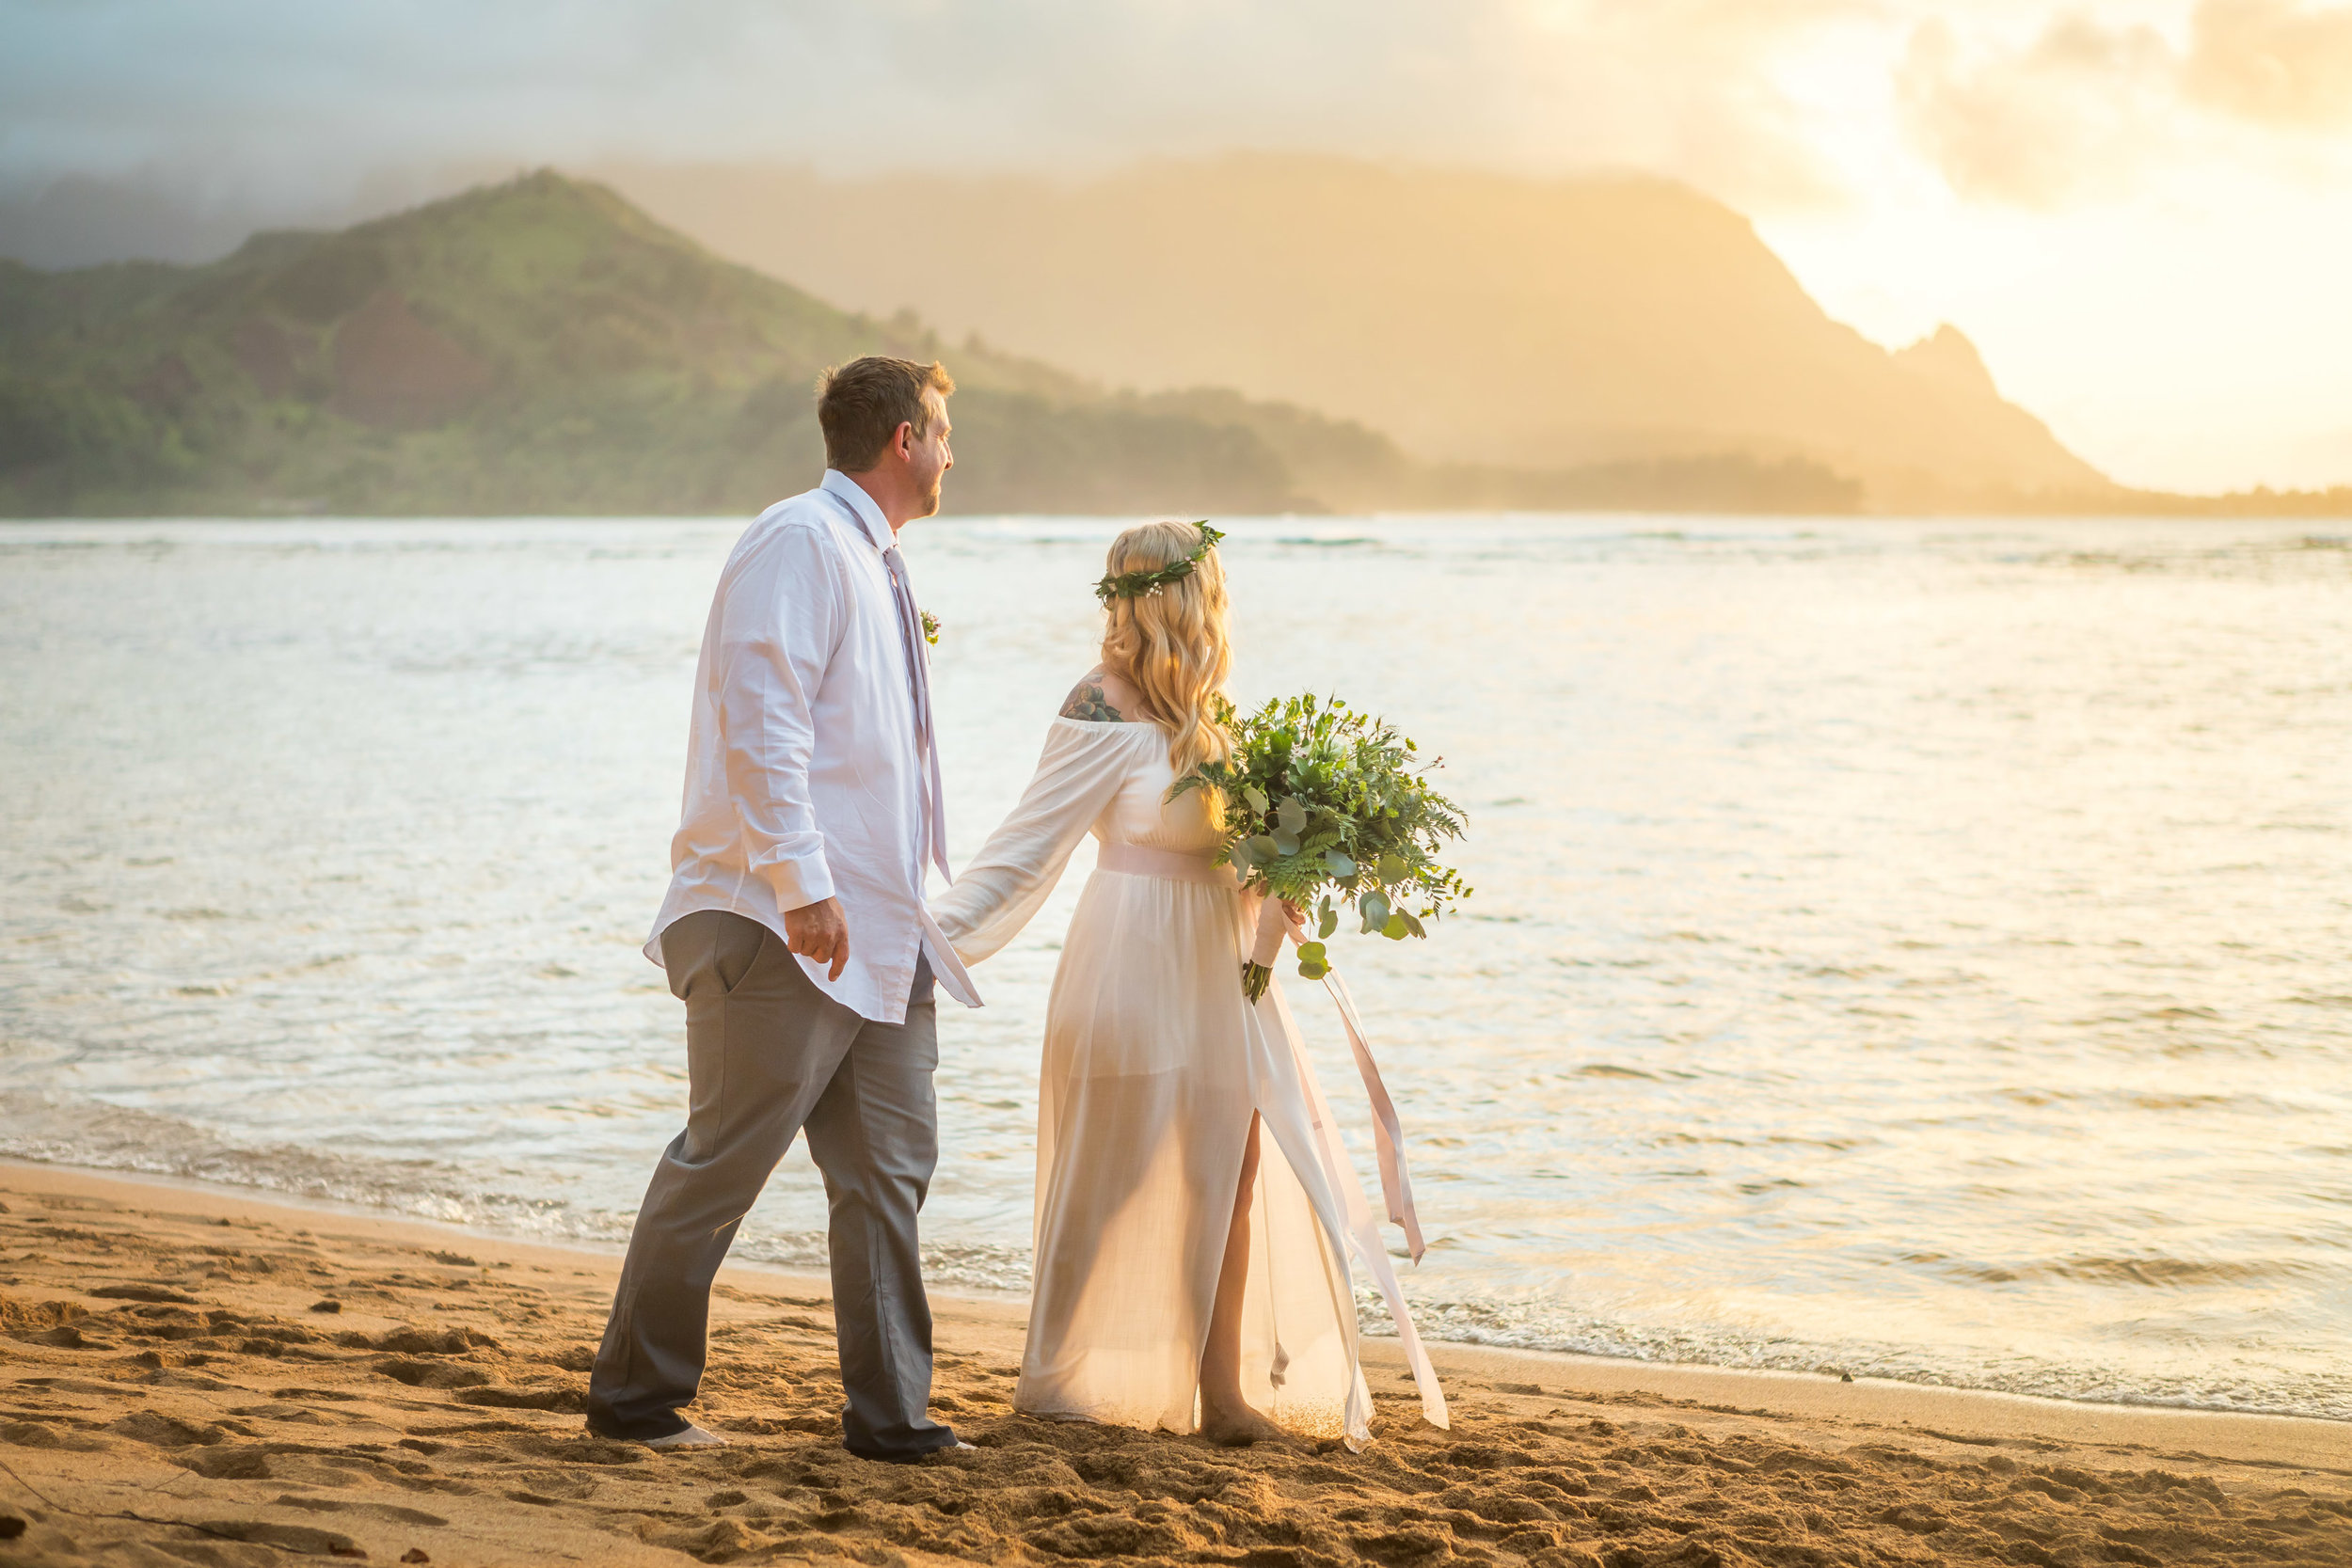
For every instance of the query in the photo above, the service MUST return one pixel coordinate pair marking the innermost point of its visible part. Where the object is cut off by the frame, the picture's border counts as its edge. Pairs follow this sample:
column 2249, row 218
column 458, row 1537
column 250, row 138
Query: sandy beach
column 193, row 1375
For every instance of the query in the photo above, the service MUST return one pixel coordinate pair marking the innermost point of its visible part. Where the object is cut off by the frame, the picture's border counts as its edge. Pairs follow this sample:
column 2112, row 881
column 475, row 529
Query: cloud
column 282, row 110
column 2084, row 106
column 2072, row 110
column 2273, row 62
column 296, row 96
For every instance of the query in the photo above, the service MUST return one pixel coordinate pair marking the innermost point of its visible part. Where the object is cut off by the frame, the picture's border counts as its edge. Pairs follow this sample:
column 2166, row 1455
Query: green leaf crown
column 1135, row 585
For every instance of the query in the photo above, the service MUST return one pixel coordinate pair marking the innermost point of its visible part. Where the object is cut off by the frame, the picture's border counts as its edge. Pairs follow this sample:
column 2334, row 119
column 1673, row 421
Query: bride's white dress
column 1154, row 1062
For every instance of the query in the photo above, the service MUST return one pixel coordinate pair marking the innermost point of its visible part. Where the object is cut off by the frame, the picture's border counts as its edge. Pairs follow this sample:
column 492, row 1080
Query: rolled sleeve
column 780, row 623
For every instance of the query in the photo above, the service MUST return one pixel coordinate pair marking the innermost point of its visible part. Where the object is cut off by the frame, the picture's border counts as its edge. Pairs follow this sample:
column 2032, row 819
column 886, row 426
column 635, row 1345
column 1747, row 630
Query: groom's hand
column 819, row 932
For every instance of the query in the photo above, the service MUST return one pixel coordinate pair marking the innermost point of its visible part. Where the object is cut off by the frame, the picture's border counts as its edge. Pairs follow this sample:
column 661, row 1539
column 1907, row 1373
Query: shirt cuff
column 801, row 882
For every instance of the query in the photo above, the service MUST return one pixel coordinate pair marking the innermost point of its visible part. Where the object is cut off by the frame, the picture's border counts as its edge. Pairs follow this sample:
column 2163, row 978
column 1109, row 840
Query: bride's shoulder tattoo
column 1087, row 701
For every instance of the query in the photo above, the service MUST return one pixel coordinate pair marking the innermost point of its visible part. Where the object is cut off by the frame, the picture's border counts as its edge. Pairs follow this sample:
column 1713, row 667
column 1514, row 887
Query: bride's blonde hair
column 1172, row 644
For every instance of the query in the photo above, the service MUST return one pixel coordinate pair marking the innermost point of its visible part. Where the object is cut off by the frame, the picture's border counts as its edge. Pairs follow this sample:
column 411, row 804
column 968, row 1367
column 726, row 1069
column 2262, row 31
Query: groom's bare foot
column 1236, row 1426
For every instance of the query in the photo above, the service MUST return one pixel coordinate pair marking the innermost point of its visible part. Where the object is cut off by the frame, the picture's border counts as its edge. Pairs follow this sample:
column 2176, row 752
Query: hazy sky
column 2143, row 212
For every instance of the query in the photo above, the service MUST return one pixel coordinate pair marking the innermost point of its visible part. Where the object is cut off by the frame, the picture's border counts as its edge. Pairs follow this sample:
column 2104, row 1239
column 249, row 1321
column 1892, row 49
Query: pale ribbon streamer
column 1273, row 925
column 1388, row 1133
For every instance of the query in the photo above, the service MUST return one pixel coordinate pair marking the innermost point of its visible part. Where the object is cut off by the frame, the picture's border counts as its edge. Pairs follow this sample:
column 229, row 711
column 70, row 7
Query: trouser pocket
column 711, row 950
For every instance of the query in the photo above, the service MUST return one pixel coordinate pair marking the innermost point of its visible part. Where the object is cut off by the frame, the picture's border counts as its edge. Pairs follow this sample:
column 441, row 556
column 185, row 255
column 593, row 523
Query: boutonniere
column 930, row 628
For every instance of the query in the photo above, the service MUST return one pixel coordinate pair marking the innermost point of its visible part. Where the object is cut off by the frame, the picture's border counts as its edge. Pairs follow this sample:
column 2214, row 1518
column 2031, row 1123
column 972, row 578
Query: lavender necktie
column 926, row 740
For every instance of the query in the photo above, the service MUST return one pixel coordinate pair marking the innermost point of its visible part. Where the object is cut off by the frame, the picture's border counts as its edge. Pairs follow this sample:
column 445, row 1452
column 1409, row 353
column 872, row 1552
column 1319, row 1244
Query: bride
column 1194, row 1204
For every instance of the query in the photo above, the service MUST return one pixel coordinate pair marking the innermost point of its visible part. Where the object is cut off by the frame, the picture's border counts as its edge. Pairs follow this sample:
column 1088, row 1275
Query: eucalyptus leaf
column 1330, row 807
column 1311, row 951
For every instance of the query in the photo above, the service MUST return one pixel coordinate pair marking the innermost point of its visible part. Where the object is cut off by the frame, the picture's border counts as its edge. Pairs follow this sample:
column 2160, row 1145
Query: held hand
column 819, row 932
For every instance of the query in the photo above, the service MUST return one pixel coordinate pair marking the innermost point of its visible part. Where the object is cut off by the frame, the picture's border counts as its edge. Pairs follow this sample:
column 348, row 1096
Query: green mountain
column 538, row 346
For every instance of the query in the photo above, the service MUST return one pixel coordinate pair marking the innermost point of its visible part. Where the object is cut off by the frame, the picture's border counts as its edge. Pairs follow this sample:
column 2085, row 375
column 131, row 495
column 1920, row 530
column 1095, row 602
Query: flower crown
column 1136, row 585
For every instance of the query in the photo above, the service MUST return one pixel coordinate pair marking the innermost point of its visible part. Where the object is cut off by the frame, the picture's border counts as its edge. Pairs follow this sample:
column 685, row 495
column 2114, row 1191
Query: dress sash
column 1142, row 860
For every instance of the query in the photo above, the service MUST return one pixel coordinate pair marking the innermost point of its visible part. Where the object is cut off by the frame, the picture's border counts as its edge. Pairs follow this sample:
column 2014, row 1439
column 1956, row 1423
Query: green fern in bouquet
column 1329, row 808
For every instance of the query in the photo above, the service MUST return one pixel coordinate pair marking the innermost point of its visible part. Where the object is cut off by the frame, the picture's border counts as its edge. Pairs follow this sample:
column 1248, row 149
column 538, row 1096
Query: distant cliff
column 1534, row 325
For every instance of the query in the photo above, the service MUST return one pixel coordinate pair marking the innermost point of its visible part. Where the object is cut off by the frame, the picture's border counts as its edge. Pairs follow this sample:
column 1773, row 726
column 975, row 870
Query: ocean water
column 1921, row 949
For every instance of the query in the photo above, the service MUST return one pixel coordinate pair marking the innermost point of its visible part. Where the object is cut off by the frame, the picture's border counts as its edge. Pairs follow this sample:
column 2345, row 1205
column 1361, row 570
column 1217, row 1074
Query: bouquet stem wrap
column 1388, row 1134
column 1274, row 924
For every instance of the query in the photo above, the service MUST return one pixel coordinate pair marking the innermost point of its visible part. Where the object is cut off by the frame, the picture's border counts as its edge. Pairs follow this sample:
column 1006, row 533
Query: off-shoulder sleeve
column 1015, row 873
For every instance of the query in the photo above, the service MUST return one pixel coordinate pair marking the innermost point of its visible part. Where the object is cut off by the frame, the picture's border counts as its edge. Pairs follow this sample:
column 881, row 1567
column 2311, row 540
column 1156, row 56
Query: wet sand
column 193, row 1375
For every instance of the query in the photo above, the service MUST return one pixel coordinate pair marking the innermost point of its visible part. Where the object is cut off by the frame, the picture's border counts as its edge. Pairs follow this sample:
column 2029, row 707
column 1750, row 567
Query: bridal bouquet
column 1327, row 807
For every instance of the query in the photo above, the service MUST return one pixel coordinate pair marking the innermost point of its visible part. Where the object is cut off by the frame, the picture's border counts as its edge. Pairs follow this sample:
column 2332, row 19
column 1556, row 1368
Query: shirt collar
column 862, row 506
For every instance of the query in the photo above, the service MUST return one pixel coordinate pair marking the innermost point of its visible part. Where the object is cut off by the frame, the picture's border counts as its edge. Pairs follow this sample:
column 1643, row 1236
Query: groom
column 796, row 934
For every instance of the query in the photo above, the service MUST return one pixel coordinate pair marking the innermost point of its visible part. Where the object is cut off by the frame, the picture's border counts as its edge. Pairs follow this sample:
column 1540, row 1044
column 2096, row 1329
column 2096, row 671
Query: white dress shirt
column 804, row 779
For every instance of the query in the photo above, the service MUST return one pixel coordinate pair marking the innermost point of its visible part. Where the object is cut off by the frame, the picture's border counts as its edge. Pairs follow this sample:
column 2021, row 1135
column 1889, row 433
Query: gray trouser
column 769, row 1054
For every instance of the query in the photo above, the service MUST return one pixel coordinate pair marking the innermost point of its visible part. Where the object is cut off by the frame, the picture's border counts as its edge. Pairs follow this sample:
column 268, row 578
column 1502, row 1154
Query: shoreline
column 2251, row 1437
column 192, row 1374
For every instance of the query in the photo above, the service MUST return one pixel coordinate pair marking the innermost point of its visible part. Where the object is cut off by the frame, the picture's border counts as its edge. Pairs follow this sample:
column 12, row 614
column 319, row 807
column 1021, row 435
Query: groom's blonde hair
column 1172, row 645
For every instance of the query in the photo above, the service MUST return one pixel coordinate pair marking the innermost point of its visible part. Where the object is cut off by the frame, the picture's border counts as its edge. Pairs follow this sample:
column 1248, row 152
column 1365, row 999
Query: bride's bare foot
column 1236, row 1426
